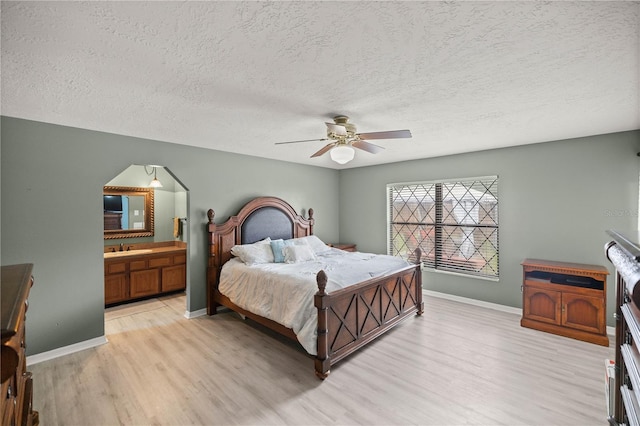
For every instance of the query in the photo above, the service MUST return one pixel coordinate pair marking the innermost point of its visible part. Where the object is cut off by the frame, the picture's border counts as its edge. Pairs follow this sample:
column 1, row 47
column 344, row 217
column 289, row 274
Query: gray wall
column 45, row 169
column 555, row 202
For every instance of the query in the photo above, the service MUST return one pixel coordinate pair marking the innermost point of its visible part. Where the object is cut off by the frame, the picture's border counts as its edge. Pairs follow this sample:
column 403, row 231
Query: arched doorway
column 146, row 255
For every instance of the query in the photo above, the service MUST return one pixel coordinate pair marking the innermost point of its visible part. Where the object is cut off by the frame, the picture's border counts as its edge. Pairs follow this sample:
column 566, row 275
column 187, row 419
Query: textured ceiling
column 240, row 76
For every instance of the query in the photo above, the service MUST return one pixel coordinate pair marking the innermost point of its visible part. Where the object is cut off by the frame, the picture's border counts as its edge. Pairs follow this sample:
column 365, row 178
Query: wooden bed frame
column 348, row 318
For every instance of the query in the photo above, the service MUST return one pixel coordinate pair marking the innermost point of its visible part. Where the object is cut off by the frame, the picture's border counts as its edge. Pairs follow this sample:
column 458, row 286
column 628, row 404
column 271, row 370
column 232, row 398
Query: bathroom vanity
column 137, row 271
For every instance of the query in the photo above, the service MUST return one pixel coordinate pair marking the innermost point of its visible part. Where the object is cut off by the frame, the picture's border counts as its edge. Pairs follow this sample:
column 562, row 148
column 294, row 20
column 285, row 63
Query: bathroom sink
column 126, row 253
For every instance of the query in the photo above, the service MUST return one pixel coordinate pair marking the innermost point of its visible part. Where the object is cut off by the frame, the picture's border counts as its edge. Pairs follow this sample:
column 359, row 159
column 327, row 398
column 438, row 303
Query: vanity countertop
column 144, row 249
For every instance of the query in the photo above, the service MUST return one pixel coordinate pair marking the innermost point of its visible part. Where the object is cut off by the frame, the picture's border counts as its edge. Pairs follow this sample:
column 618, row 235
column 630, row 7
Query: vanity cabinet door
column 115, row 288
column 174, row 278
column 144, row 283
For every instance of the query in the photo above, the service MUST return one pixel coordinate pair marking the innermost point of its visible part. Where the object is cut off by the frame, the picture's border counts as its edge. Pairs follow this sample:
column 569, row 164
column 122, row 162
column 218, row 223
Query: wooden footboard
column 352, row 317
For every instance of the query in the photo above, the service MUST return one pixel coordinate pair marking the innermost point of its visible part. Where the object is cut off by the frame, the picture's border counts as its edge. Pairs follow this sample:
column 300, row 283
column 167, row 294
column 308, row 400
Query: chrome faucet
column 121, row 247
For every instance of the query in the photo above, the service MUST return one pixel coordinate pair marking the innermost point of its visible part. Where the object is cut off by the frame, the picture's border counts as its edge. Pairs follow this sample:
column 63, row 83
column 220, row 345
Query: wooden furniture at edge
column 568, row 299
column 624, row 253
column 345, row 247
column 112, row 221
column 349, row 318
column 17, row 383
column 132, row 277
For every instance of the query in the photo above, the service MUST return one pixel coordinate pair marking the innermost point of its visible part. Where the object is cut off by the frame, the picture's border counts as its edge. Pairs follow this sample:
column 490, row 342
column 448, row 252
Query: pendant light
column 155, row 183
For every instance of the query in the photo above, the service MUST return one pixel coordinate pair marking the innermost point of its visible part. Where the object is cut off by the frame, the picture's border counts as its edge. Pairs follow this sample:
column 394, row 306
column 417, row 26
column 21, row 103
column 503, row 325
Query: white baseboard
column 494, row 306
column 195, row 314
column 611, row 331
column 66, row 350
column 91, row 343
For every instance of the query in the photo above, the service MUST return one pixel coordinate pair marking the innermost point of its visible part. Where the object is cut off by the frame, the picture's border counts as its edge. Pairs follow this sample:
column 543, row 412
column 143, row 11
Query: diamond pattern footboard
column 350, row 318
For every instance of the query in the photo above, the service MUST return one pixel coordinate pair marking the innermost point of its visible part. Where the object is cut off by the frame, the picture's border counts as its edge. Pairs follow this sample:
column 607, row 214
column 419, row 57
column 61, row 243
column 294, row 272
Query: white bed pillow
column 298, row 253
column 316, row 243
column 251, row 254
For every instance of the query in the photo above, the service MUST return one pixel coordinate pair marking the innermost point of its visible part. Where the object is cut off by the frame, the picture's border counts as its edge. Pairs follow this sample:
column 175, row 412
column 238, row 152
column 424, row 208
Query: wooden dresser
column 17, row 384
column 568, row 299
column 624, row 253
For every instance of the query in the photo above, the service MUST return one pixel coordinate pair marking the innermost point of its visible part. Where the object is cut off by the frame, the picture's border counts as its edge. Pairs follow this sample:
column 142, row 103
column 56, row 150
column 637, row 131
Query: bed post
column 322, row 362
column 212, row 269
column 311, row 221
column 419, row 302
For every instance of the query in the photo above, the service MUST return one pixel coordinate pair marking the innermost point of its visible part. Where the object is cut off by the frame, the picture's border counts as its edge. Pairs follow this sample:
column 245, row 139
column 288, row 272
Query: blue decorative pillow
column 277, row 246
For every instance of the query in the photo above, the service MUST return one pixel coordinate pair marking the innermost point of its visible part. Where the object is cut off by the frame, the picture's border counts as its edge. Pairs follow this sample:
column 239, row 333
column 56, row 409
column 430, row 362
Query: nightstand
column 345, row 247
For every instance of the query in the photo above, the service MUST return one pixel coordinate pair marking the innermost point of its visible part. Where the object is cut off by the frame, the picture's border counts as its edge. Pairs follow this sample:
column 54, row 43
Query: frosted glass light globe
column 342, row 154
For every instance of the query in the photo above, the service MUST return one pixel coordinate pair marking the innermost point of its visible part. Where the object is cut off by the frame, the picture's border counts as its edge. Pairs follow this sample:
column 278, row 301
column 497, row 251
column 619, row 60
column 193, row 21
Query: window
column 454, row 223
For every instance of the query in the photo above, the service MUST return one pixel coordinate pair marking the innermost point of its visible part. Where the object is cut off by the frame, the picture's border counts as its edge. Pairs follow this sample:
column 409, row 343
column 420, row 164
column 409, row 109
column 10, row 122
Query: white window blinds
column 454, row 223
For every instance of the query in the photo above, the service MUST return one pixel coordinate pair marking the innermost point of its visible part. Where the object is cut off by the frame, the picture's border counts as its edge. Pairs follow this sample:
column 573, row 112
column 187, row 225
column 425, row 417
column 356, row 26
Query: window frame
column 439, row 223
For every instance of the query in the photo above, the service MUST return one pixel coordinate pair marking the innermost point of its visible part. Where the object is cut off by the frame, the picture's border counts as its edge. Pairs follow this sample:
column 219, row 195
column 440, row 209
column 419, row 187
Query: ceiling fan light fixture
column 342, row 154
column 342, row 138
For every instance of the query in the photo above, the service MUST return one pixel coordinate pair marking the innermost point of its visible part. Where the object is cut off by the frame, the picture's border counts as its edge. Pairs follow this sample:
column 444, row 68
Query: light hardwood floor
column 470, row 365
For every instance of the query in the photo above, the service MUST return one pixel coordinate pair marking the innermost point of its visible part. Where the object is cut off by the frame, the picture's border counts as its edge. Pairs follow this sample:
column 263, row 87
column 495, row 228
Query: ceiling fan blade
column 366, row 146
column 324, row 149
column 391, row 134
column 306, row 140
column 337, row 129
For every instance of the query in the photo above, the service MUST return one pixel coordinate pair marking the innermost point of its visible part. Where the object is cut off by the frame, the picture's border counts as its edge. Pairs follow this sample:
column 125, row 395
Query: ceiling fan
column 343, row 138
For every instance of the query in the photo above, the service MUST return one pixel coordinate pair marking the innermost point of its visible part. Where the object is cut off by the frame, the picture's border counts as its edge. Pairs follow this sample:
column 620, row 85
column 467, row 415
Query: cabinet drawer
column 179, row 259
column 116, row 268
column 137, row 265
column 159, row 261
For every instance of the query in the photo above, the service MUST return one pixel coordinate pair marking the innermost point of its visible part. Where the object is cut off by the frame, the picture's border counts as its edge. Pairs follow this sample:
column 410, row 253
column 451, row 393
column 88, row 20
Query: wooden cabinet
column 624, row 254
column 16, row 397
column 134, row 277
column 568, row 299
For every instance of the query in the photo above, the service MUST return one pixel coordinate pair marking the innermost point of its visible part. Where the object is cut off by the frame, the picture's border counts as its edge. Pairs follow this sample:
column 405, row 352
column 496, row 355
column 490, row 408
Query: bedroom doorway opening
column 146, row 251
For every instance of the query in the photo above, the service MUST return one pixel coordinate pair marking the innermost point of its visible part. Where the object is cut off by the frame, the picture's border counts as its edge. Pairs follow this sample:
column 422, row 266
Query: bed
column 344, row 319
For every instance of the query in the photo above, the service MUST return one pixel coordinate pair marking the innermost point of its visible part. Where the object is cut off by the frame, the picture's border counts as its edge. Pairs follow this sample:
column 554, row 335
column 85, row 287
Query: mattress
column 283, row 292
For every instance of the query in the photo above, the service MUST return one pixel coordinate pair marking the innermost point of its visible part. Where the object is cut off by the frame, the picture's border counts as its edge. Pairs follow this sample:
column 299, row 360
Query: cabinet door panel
column 115, row 288
column 174, row 278
column 583, row 312
column 542, row 305
column 145, row 283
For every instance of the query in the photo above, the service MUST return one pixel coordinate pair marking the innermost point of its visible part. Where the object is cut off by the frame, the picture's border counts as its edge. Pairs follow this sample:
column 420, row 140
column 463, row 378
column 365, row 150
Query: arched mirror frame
column 148, row 230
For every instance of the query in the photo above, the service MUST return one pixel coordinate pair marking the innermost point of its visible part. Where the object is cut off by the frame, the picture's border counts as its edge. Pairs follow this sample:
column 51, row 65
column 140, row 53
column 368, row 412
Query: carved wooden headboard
column 260, row 218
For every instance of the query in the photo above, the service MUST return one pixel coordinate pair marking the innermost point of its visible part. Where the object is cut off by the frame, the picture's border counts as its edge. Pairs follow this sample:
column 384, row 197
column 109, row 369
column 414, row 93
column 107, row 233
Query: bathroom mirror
column 128, row 212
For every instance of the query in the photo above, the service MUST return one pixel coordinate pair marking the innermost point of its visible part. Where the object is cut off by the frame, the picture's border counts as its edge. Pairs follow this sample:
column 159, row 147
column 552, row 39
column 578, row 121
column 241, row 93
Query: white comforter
column 284, row 292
